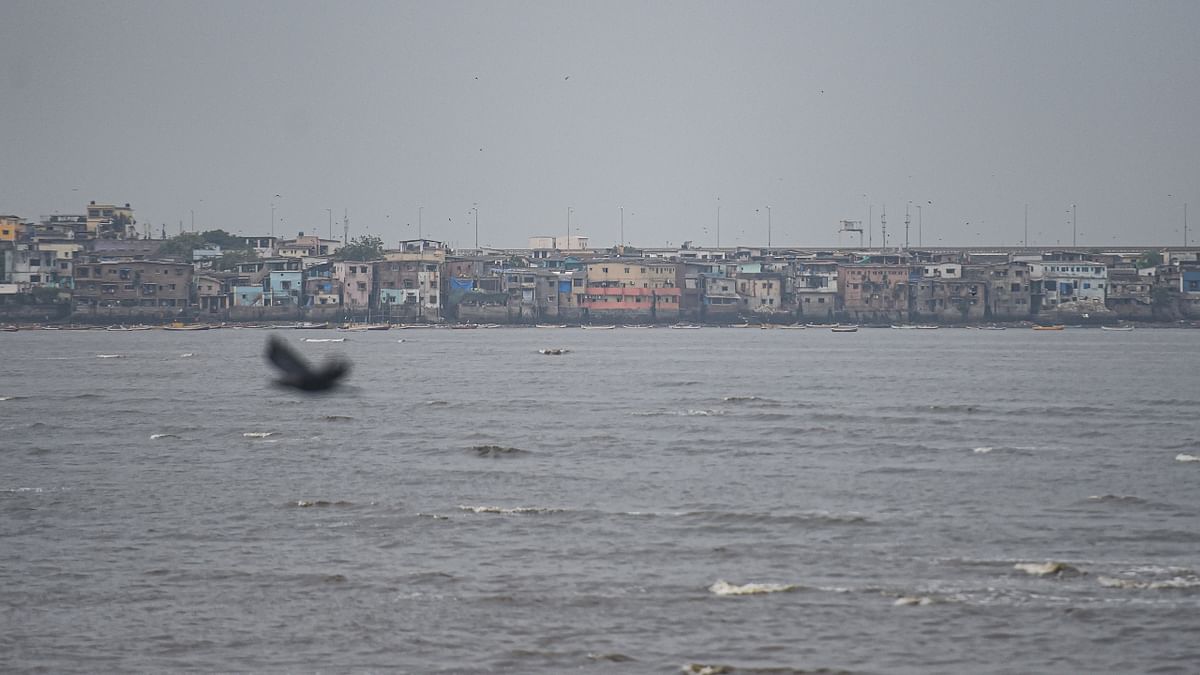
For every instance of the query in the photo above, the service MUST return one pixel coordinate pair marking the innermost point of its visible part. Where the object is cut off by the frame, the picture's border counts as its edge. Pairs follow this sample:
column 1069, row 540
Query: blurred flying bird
column 298, row 374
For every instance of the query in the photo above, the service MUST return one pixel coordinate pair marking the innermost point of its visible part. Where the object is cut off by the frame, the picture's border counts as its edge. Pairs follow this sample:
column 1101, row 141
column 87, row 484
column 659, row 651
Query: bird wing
column 286, row 359
column 333, row 371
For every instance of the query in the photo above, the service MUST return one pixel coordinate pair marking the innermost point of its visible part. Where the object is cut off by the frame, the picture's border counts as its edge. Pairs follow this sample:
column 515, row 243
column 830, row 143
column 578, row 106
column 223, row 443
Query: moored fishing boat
column 1117, row 328
column 844, row 329
column 1055, row 327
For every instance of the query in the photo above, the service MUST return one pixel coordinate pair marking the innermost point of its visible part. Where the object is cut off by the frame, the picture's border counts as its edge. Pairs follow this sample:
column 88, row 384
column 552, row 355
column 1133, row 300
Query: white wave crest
column 913, row 600
column 724, row 588
column 109, row 356
column 982, row 451
column 516, row 510
column 1184, row 457
column 258, row 434
column 186, row 355
column 1161, row 584
column 7, row 398
column 155, row 437
column 1046, row 569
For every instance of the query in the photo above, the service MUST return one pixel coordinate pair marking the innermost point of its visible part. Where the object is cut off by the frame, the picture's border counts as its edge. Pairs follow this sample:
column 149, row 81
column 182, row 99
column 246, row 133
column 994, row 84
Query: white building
column 1069, row 280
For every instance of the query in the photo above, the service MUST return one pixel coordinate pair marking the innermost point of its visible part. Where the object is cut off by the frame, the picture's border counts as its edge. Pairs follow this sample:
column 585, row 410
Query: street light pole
column 475, row 208
column 330, row 212
column 768, row 227
column 567, row 241
column 622, row 209
column 718, row 222
column 1074, row 237
column 420, row 209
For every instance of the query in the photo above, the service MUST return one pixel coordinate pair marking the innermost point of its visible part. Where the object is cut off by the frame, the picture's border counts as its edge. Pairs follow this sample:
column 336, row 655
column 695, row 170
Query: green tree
column 365, row 247
column 231, row 259
column 1149, row 259
column 181, row 245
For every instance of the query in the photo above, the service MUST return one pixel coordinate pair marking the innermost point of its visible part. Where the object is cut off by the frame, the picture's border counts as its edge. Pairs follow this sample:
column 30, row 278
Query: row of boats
column 836, row 328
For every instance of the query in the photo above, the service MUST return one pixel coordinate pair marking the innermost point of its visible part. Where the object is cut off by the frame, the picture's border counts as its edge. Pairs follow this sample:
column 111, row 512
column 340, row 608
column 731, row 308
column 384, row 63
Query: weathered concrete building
column 138, row 283
column 1008, row 289
column 874, row 293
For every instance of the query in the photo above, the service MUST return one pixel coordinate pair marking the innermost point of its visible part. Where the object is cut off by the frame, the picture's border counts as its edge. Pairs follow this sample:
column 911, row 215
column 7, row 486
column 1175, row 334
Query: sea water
column 648, row 501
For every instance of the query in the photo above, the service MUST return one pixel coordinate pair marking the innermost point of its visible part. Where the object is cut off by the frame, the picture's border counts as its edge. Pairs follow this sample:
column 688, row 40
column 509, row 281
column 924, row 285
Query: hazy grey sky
column 816, row 109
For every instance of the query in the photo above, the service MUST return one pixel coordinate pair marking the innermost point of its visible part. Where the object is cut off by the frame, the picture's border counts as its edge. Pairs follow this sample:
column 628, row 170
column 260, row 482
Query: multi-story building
column 874, row 292
column 760, row 291
column 283, row 288
column 1062, row 278
column 1008, row 289
column 815, row 288
column 632, row 289
column 719, row 299
column 355, row 276
column 110, row 221
column 949, row 299
column 141, row 283
column 10, row 228
column 212, row 292
column 1130, row 294
column 412, row 274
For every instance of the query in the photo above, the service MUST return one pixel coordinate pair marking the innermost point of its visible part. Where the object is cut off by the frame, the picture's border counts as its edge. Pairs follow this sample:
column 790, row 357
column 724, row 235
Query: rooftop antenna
column 345, row 226
column 906, row 222
column 883, row 226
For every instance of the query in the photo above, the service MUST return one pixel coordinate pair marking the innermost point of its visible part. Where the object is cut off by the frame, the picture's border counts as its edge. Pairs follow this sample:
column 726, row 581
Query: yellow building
column 109, row 221
column 10, row 228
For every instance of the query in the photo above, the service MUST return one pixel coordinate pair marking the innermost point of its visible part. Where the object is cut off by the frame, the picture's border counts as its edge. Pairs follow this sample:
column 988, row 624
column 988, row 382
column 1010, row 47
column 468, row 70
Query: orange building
column 622, row 289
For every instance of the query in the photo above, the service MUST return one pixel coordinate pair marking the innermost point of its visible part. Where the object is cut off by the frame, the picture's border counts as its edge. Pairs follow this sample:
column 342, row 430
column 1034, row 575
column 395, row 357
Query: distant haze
column 207, row 110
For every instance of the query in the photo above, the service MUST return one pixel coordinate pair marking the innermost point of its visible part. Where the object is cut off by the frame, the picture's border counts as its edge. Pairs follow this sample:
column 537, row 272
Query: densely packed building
column 96, row 264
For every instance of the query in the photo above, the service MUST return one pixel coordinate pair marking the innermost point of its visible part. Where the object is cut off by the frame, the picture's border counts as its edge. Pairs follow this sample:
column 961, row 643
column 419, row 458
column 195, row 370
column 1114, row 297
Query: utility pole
column 475, row 208
column 718, row 222
column 1074, row 237
column 1025, row 241
column 567, row 241
column 345, row 227
column 420, row 210
column 920, row 226
column 871, row 226
column 768, row 227
column 1185, row 234
column 906, row 222
column 622, row 210
column 330, row 211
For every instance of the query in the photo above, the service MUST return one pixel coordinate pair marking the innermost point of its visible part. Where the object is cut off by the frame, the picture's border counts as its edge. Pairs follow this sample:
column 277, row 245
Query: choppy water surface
column 652, row 500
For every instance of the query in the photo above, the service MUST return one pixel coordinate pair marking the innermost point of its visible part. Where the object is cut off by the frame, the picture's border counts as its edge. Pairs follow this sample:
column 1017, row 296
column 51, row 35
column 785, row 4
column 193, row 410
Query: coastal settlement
column 96, row 267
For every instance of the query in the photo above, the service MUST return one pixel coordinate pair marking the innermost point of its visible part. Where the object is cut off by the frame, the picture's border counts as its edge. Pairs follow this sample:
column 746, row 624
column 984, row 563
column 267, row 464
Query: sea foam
column 258, row 434
column 724, row 588
column 1047, row 569
column 1184, row 457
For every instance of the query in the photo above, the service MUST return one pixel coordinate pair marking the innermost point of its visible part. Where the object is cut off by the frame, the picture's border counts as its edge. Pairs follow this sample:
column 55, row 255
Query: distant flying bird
column 298, row 374
column 567, row 77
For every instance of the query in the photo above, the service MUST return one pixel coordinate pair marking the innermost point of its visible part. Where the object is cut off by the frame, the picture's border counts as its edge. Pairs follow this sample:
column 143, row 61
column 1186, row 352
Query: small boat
column 903, row 327
column 309, row 325
column 550, row 325
column 366, row 326
column 556, row 351
column 598, row 327
column 411, row 326
column 844, row 329
column 685, row 326
column 464, row 326
column 1055, row 327
column 182, row 326
column 820, row 325
column 926, row 327
column 993, row 328
column 324, row 339
column 1117, row 328
column 792, row 326
column 9, row 329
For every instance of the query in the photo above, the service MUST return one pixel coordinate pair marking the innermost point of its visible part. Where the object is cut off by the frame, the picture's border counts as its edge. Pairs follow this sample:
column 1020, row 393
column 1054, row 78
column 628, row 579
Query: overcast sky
column 823, row 111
